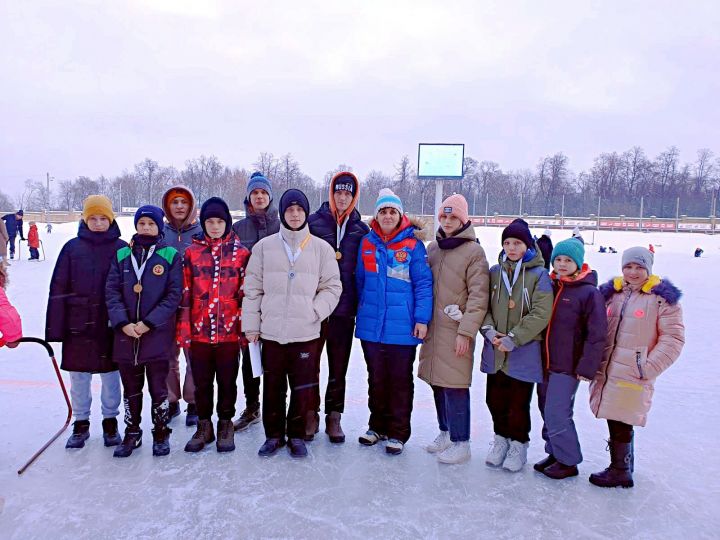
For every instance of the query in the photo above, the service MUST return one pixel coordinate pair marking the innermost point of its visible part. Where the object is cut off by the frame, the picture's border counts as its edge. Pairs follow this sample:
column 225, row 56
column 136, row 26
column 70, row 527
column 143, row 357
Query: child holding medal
column 143, row 292
column 521, row 298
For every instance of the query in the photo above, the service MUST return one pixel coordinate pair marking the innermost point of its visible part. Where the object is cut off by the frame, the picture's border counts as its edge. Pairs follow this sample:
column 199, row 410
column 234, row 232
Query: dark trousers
column 175, row 391
column 556, row 400
column 337, row 337
column 251, row 385
column 294, row 363
column 210, row 362
column 453, row 411
column 11, row 241
column 133, row 380
column 34, row 253
column 509, row 402
column 390, row 388
column 620, row 431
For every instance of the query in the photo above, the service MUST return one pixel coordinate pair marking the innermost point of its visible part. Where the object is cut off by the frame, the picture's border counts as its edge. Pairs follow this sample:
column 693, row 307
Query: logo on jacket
column 401, row 256
column 304, row 355
column 158, row 270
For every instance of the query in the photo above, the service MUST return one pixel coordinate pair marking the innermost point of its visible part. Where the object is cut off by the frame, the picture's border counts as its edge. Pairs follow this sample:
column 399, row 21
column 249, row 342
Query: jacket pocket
column 640, row 361
column 78, row 317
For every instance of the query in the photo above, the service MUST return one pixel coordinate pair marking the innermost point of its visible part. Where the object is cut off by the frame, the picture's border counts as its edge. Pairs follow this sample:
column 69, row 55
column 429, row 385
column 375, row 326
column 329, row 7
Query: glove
column 507, row 342
column 453, row 311
column 489, row 332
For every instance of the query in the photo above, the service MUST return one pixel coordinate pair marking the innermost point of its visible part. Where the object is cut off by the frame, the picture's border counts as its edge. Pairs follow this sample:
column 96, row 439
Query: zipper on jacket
column 638, row 354
column 622, row 313
column 561, row 286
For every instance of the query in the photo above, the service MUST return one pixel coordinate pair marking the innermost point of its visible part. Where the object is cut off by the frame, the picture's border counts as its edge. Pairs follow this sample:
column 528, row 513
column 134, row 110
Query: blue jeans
column 556, row 399
column 453, row 411
column 81, row 395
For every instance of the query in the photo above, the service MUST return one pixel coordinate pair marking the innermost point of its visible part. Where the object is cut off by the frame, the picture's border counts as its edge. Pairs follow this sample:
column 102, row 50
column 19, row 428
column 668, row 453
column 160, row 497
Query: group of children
column 125, row 311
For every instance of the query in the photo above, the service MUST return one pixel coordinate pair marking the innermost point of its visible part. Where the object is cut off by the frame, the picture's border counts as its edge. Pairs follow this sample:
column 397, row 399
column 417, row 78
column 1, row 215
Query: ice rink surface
column 350, row 491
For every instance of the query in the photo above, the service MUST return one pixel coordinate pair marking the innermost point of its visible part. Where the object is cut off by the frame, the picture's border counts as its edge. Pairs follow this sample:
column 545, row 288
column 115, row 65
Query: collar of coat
column 654, row 285
column 407, row 221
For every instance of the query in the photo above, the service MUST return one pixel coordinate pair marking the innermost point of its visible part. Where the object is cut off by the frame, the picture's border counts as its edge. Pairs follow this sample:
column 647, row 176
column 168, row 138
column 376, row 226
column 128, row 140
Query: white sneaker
column 499, row 450
column 458, row 452
column 394, row 447
column 370, row 438
column 441, row 442
column 516, row 456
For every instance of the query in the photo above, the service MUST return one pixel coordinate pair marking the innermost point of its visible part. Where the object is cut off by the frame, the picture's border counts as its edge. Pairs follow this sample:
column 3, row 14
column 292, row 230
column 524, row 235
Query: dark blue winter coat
column 323, row 225
column 77, row 314
column 13, row 225
column 254, row 227
column 395, row 286
column 576, row 334
column 156, row 305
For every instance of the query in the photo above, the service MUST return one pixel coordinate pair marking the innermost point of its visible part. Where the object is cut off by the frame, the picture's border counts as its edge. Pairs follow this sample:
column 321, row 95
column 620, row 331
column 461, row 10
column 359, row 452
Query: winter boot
column 250, row 416
column 371, row 438
column 394, row 447
column 333, row 427
column 312, row 425
column 498, row 451
column 540, row 466
column 173, row 410
column 203, row 435
column 191, row 416
column 442, row 442
column 270, row 446
column 619, row 473
column 161, row 440
column 110, row 432
column 516, row 457
column 80, row 434
column 558, row 471
column 131, row 441
column 457, row 452
column 226, row 436
column 297, row 448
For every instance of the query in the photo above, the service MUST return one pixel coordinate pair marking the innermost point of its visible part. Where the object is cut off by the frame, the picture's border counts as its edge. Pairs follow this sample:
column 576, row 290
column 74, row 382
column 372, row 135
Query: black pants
column 251, row 385
column 133, row 381
column 390, row 388
column 509, row 402
column 11, row 242
column 337, row 337
column 208, row 363
column 620, row 431
column 294, row 363
column 34, row 253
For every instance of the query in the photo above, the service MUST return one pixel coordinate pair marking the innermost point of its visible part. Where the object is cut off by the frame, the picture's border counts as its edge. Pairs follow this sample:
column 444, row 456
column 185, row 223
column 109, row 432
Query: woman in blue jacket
column 394, row 283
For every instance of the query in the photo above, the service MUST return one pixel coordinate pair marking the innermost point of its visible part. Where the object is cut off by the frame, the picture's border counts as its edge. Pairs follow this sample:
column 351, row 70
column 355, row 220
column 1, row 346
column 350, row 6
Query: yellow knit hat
column 98, row 205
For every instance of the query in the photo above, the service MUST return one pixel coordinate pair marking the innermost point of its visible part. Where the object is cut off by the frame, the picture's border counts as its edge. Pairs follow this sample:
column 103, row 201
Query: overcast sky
column 90, row 88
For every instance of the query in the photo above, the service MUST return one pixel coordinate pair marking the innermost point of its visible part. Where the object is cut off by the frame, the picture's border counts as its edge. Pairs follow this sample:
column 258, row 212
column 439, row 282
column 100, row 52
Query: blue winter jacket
column 395, row 286
column 156, row 305
column 13, row 225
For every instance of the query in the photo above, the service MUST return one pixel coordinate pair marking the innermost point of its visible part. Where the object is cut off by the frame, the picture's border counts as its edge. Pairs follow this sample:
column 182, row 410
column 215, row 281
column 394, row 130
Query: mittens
column 453, row 311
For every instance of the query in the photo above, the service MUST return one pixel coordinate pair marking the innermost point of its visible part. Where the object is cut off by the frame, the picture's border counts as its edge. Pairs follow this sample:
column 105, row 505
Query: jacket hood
column 586, row 276
column 356, row 194
column 420, row 229
column 654, row 285
column 192, row 214
column 325, row 209
column 112, row 234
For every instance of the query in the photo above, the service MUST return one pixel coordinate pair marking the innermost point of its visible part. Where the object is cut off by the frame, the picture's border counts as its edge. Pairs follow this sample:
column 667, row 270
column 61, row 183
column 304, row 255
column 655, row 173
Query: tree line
column 614, row 185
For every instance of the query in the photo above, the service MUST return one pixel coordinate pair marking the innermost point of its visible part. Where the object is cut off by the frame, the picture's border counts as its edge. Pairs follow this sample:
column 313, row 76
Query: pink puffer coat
column 645, row 336
column 10, row 325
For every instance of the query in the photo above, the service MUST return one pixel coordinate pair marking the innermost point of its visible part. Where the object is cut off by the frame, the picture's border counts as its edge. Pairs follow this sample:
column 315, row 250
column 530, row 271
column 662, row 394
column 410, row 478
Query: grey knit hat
column 638, row 255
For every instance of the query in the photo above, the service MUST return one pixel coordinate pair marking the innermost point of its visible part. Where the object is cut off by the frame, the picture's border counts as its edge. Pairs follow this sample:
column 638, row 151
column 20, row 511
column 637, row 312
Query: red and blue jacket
column 394, row 283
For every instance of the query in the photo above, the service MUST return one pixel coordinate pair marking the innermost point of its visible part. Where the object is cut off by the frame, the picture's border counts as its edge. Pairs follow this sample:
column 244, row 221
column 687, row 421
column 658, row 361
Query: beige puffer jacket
column 645, row 336
column 284, row 309
column 460, row 276
column 3, row 239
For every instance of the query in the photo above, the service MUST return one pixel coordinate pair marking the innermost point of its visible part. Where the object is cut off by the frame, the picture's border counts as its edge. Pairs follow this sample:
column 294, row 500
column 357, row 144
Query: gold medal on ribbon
column 511, row 304
column 137, row 288
column 338, row 255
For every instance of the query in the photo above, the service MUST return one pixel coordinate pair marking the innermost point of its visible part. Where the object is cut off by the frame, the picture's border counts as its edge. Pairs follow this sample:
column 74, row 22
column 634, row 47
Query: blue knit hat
column 570, row 248
column 258, row 181
column 388, row 199
column 154, row 213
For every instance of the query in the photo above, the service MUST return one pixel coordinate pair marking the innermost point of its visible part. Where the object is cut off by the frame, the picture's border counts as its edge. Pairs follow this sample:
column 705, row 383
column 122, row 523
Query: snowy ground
column 351, row 491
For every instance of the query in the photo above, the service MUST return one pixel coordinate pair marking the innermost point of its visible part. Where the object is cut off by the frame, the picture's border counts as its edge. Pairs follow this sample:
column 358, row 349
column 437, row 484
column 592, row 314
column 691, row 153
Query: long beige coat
column 460, row 276
column 645, row 336
column 3, row 239
column 284, row 309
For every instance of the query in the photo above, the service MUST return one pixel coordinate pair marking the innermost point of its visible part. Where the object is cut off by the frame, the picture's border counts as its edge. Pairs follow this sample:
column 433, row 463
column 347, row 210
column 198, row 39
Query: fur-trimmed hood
column 654, row 285
column 422, row 232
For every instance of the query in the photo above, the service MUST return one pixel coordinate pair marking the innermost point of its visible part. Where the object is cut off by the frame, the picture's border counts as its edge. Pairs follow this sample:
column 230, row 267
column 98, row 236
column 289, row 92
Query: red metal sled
column 51, row 354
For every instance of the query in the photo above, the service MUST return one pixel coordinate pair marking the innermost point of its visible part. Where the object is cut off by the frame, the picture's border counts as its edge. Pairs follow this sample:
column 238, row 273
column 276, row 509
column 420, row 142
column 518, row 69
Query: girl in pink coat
column 645, row 336
column 10, row 326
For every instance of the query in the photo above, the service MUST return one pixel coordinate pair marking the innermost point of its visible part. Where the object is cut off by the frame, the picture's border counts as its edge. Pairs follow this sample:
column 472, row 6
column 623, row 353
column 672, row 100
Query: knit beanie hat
column 293, row 197
column 388, row 199
column 97, row 205
column 547, row 232
column 455, row 205
column 258, row 181
column 570, row 248
column 154, row 213
column 638, row 255
column 20, row 212
column 215, row 207
column 519, row 229
column 344, row 181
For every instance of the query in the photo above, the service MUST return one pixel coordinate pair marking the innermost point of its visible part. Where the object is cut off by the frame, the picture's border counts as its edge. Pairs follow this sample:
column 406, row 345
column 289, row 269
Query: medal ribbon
column 293, row 256
column 341, row 233
column 509, row 286
column 139, row 270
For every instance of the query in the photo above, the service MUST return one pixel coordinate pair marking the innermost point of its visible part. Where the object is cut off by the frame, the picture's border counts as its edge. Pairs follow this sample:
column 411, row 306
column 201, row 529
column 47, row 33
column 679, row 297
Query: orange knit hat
column 97, row 205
